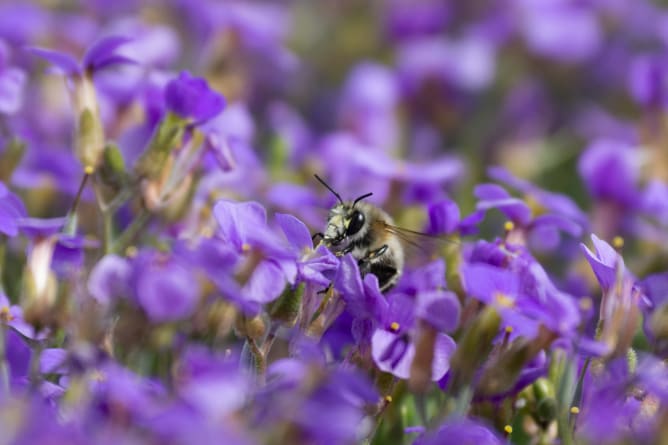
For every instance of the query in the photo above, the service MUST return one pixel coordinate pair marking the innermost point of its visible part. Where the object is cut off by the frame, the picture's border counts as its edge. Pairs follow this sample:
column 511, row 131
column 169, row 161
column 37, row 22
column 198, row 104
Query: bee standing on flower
column 369, row 234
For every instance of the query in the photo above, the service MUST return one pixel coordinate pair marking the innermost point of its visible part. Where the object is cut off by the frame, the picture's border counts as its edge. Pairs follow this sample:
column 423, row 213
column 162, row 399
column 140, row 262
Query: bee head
column 345, row 219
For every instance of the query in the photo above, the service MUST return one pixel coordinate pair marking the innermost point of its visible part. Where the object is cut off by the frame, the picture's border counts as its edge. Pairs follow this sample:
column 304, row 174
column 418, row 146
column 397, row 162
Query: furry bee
column 369, row 234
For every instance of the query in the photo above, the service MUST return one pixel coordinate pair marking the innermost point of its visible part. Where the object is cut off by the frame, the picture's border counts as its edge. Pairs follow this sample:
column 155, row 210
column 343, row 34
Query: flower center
column 504, row 300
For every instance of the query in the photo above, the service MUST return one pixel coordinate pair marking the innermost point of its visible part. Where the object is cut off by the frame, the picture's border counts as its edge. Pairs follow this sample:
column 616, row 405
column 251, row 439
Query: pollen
column 5, row 315
column 394, row 326
column 509, row 226
column 131, row 251
column 504, row 300
column 89, row 169
column 245, row 247
column 388, row 399
column 509, row 329
column 618, row 242
column 508, row 429
column 575, row 410
column 586, row 303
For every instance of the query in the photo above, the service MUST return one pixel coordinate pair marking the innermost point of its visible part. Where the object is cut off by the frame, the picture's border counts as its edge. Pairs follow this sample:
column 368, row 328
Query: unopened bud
column 253, row 328
column 164, row 140
column 112, row 171
column 474, row 347
column 287, row 307
column 89, row 139
column 546, row 410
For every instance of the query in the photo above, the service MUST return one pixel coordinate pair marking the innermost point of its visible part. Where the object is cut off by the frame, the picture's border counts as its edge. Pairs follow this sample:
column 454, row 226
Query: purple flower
column 313, row 266
column 521, row 290
column 467, row 63
column 108, row 279
column 394, row 353
column 561, row 30
column 648, row 79
column 610, row 170
column 212, row 384
column 102, row 54
column 191, row 98
column 462, row 431
column 606, row 263
column 163, row 287
column 12, row 83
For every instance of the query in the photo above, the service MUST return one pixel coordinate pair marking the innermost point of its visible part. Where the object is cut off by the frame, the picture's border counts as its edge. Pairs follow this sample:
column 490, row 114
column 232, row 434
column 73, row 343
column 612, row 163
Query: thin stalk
column 34, row 365
column 4, row 366
column 130, row 233
column 70, row 225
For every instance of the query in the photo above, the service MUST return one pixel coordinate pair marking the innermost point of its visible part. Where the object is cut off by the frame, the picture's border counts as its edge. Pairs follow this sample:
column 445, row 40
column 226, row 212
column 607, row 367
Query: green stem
column 131, row 232
column 4, row 366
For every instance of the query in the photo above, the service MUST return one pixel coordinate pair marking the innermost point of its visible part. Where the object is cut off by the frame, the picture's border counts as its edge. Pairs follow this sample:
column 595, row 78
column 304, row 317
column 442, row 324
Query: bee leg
column 378, row 252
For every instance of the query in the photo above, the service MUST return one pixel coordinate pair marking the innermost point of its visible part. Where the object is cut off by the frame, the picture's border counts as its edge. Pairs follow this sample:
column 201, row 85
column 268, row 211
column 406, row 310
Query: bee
column 369, row 234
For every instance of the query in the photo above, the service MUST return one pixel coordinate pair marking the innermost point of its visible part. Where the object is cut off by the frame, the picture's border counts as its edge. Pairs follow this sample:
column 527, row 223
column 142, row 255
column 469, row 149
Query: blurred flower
column 461, row 431
column 12, row 83
column 610, row 170
column 11, row 211
column 191, row 97
column 163, row 286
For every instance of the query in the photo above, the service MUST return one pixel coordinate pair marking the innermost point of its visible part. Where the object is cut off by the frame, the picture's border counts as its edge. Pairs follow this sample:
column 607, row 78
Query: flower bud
column 287, row 307
column 112, row 172
column 89, row 136
column 474, row 347
column 40, row 284
column 165, row 138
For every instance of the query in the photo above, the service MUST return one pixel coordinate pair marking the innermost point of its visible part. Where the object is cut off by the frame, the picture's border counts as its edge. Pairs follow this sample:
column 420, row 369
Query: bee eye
column 356, row 223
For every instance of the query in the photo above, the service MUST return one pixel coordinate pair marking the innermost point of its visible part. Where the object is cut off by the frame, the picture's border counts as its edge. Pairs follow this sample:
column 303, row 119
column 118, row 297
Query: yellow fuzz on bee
column 394, row 326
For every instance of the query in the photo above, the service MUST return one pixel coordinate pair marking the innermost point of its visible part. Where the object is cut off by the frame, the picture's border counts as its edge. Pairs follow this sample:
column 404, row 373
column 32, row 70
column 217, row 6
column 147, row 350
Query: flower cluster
column 164, row 278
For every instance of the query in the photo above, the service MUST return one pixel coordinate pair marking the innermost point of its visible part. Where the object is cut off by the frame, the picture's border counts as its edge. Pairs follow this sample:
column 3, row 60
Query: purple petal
column 52, row 360
column 295, row 231
column 485, row 282
column 604, row 262
column 238, row 220
column 266, row 283
column 191, row 97
column 67, row 64
column 108, row 279
column 439, row 309
column 102, row 53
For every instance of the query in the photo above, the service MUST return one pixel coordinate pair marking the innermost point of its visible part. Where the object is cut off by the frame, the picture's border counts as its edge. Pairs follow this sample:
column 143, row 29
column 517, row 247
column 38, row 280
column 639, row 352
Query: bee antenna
column 361, row 198
column 329, row 188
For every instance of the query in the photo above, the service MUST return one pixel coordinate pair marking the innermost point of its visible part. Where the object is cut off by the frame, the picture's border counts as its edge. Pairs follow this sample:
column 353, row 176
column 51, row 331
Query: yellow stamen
column 509, row 329
column 89, row 169
column 575, row 410
column 504, row 300
column 131, row 251
column 388, row 399
column 207, row 232
column 5, row 315
column 508, row 429
column 586, row 303
column 394, row 326
column 245, row 247
column 508, row 226
column 618, row 242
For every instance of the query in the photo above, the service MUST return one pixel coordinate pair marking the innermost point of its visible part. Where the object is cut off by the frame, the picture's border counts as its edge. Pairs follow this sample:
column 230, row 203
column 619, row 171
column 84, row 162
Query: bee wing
column 418, row 240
